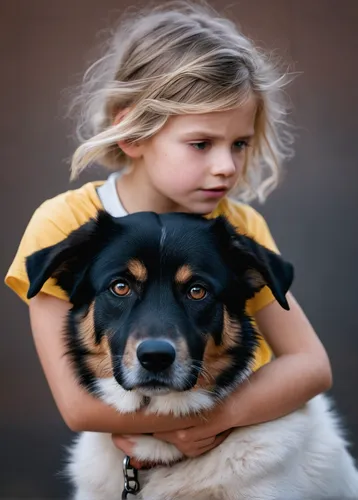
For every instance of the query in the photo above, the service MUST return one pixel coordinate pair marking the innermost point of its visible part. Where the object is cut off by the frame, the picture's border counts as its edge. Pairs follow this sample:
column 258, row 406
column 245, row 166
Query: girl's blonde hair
column 181, row 59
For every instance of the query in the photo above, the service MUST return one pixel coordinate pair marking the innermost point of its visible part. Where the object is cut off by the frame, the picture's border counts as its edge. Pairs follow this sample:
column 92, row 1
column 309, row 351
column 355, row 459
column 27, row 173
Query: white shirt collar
column 109, row 197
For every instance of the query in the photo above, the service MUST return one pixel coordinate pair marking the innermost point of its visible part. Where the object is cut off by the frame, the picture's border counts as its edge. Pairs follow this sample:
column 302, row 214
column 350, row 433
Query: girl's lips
column 214, row 193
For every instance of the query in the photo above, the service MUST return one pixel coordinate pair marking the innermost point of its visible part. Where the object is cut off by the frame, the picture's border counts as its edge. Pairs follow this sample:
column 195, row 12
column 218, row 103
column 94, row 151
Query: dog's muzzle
column 158, row 365
column 156, row 355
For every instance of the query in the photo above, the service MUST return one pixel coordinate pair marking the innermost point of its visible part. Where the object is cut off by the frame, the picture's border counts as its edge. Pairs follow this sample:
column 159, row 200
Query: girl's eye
column 120, row 288
column 241, row 145
column 199, row 145
column 197, row 292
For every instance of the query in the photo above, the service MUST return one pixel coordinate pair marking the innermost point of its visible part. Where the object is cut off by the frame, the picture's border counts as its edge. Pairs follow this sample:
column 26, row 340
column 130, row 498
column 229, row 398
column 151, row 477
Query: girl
column 188, row 113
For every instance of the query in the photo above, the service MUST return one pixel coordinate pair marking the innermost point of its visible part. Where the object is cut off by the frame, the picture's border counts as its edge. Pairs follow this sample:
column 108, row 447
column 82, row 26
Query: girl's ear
column 120, row 115
column 132, row 150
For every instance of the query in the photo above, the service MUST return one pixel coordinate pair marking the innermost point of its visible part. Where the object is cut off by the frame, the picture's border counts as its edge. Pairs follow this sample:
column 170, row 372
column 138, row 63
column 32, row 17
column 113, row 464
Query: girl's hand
column 196, row 440
column 125, row 443
column 189, row 448
column 192, row 441
column 192, row 447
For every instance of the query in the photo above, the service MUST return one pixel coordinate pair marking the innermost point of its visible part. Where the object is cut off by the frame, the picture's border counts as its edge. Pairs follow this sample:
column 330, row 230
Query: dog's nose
column 155, row 355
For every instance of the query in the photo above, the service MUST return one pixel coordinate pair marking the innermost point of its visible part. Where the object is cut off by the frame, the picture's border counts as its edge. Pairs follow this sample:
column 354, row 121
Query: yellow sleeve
column 258, row 229
column 42, row 231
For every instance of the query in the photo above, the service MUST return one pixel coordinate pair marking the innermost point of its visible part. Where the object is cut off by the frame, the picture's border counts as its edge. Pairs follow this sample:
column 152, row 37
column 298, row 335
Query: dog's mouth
column 180, row 378
column 153, row 388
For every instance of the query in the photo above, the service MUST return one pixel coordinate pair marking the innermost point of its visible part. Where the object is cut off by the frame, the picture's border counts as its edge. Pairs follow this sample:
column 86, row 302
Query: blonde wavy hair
column 181, row 58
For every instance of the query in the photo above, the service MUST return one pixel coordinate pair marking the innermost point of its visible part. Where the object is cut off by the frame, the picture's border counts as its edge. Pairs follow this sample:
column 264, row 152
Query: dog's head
column 159, row 300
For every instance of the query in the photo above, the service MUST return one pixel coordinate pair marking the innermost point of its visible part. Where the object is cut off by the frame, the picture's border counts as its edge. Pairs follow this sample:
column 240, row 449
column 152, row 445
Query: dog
column 158, row 321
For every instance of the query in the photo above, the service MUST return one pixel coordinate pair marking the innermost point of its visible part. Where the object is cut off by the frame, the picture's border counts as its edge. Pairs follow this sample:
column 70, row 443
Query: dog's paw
column 113, row 394
column 180, row 404
column 149, row 449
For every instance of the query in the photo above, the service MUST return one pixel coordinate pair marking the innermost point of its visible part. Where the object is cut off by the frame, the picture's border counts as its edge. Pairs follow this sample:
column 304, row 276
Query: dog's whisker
column 116, row 361
column 203, row 371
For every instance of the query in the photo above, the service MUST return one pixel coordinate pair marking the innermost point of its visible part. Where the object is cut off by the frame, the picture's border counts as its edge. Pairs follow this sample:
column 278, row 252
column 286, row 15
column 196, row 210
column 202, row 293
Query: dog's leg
column 149, row 449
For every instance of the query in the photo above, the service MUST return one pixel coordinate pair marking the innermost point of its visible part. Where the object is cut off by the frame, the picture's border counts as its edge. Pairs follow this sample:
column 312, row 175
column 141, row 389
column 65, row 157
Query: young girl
column 188, row 113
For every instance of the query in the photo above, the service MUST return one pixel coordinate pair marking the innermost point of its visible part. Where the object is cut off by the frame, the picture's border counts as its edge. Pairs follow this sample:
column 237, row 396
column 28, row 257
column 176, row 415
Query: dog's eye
column 196, row 292
column 120, row 288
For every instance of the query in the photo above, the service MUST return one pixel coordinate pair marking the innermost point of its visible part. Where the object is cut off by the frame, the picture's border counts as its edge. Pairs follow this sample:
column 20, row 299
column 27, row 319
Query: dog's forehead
column 173, row 239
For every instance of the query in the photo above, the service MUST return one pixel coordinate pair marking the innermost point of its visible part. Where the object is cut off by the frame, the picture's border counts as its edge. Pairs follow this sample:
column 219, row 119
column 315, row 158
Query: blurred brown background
column 46, row 46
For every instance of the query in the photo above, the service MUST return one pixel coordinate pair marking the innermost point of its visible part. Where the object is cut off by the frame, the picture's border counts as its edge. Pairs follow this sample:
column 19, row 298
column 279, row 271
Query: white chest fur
column 176, row 403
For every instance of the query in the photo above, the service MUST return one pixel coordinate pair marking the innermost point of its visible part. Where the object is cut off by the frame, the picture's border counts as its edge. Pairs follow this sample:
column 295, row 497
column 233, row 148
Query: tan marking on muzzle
column 183, row 274
column 216, row 358
column 130, row 352
column 138, row 269
column 182, row 353
column 98, row 359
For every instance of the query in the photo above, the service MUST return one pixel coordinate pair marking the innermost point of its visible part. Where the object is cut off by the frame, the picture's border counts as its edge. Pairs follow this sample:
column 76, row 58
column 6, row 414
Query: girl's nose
column 224, row 165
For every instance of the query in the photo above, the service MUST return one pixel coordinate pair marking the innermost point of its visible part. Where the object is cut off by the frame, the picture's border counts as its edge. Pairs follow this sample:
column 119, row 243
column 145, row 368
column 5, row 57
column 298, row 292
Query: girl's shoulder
column 69, row 209
column 51, row 222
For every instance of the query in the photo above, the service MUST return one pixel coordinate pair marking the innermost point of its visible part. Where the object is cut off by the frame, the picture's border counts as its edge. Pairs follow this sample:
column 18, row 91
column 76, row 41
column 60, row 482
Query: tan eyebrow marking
column 138, row 270
column 183, row 274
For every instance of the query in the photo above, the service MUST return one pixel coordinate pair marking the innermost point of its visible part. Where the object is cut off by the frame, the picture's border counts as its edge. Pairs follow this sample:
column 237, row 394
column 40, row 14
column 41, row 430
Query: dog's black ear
column 257, row 264
column 68, row 260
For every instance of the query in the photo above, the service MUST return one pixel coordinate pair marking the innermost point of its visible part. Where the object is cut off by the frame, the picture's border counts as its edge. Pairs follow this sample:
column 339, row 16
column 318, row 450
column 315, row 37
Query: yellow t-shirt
column 58, row 216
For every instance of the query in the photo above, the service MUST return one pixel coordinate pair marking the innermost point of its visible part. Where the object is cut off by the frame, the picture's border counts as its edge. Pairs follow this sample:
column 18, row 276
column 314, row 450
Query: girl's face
column 194, row 160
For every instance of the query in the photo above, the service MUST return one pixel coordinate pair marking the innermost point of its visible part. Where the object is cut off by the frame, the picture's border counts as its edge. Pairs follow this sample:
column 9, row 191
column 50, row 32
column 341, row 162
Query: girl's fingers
column 189, row 449
column 217, row 441
column 123, row 443
column 203, row 443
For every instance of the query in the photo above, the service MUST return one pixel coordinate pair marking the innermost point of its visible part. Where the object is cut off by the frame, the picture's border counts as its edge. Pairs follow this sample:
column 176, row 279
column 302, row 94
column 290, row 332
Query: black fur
column 95, row 255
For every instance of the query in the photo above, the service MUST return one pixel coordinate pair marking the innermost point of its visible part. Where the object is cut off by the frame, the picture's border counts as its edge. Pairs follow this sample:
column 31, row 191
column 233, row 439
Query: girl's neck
column 137, row 194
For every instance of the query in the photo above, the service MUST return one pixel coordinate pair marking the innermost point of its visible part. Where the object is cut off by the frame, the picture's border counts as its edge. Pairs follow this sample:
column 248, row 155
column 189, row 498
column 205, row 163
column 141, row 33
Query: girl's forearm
column 279, row 388
column 95, row 416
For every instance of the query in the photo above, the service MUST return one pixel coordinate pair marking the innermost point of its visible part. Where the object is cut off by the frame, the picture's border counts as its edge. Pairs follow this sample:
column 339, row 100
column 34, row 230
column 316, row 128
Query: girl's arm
column 80, row 410
column 300, row 371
